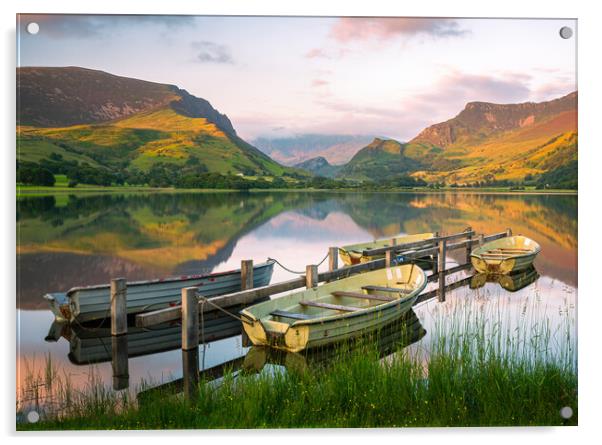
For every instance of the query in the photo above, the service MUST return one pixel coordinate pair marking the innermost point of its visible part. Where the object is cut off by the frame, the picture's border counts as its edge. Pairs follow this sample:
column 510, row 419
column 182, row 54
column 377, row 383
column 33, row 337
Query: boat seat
column 388, row 289
column 291, row 315
column 334, row 307
column 378, row 297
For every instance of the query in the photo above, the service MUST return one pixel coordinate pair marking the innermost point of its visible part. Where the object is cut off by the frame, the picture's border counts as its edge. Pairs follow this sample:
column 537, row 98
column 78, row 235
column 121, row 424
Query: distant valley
column 335, row 148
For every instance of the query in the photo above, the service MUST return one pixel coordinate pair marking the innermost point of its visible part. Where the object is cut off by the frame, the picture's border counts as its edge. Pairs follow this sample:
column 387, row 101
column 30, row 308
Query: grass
column 475, row 371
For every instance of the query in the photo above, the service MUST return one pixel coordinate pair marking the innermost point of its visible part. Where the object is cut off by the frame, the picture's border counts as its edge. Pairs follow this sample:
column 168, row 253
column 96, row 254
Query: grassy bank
column 477, row 374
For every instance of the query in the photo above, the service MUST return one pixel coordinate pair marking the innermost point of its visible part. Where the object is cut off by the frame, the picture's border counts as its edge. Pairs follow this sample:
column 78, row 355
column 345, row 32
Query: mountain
column 335, row 148
column 319, row 166
column 487, row 141
column 380, row 159
column 87, row 116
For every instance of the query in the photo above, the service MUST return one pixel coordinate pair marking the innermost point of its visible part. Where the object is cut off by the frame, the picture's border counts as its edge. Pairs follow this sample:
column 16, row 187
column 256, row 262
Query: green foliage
column 33, row 174
column 564, row 177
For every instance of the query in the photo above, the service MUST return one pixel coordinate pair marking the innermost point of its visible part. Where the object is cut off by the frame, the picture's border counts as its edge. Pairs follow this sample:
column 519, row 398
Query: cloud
column 319, row 83
column 316, row 53
column 211, row 52
column 348, row 29
column 401, row 118
column 93, row 26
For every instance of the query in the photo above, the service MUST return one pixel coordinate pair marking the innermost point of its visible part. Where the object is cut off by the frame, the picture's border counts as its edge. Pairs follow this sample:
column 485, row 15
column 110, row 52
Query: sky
column 282, row 76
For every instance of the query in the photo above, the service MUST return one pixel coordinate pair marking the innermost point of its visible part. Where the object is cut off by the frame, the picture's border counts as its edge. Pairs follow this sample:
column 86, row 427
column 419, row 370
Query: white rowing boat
column 93, row 302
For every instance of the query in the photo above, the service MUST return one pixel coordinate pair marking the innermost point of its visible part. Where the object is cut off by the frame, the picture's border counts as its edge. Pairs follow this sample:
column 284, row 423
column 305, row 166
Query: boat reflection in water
column 95, row 344
column 511, row 282
column 389, row 339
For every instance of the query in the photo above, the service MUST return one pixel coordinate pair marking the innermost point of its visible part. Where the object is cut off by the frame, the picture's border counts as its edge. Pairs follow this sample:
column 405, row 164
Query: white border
column 590, row 163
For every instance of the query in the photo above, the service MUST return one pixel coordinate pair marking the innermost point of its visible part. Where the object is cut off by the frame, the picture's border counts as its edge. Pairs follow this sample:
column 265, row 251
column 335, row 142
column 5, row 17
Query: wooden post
column 190, row 318
column 333, row 258
column 508, row 231
column 311, row 276
column 245, row 341
column 119, row 310
column 246, row 274
column 468, row 245
column 481, row 239
column 441, row 267
column 388, row 254
column 119, row 362
column 190, row 373
column 436, row 258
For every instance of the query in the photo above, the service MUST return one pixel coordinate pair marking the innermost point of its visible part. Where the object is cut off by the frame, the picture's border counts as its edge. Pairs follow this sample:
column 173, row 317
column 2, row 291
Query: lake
column 71, row 240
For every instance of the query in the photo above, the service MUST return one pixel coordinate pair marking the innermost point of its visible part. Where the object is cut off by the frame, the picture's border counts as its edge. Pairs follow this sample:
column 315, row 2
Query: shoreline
column 47, row 191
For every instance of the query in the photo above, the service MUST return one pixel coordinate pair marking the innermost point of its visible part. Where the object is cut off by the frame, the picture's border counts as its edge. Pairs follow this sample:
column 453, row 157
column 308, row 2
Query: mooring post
column 190, row 318
column 311, row 276
column 388, row 255
column 119, row 310
column 119, row 362
column 436, row 257
column 245, row 341
column 441, row 267
column 468, row 244
column 508, row 231
column 333, row 258
column 481, row 239
column 190, row 373
column 246, row 274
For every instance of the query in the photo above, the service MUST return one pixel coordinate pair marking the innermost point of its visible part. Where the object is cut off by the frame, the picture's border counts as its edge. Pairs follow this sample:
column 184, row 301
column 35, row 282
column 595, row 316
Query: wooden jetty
column 195, row 306
column 437, row 246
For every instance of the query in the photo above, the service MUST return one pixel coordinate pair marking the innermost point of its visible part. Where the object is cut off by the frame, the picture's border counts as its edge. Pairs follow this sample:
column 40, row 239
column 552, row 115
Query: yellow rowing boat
column 354, row 253
column 505, row 255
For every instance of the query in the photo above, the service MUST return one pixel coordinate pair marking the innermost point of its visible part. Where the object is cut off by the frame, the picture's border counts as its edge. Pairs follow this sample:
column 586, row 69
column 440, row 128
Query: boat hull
column 264, row 330
column 352, row 254
column 506, row 255
column 93, row 302
column 389, row 338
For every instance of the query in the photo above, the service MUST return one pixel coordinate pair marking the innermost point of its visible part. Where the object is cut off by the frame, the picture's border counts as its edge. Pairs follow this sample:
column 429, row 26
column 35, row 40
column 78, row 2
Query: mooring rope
column 204, row 300
column 294, row 271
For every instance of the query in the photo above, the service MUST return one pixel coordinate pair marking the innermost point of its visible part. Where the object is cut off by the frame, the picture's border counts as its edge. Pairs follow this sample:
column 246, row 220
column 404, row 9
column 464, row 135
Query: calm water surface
column 66, row 241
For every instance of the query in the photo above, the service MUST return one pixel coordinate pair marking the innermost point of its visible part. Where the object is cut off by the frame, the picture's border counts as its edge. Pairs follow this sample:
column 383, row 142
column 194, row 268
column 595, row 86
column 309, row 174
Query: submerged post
column 508, row 231
column 333, row 258
column 311, row 276
column 119, row 310
column 441, row 267
column 468, row 244
column 246, row 274
column 436, row 257
column 190, row 318
column 119, row 362
column 388, row 254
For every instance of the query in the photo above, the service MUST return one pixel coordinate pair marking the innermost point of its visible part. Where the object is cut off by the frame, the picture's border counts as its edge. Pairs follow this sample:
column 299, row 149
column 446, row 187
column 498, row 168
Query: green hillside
column 381, row 159
column 127, row 127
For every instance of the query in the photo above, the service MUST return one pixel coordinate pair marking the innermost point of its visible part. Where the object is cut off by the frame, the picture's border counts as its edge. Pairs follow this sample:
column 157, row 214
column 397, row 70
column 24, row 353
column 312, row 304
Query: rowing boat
column 354, row 253
column 335, row 311
column 389, row 339
column 505, row 255
column 93, row 302
column 512, row 282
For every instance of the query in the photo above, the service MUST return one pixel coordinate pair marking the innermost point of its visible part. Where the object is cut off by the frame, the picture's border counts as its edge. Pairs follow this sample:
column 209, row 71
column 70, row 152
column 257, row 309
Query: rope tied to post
column 294, row 271
column 204, row 300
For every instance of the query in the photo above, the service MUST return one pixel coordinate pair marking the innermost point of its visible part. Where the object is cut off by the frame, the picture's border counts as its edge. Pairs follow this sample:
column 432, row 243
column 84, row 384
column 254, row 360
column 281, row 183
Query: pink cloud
column 316, row 53
column 319, row 83
column 382, row 28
